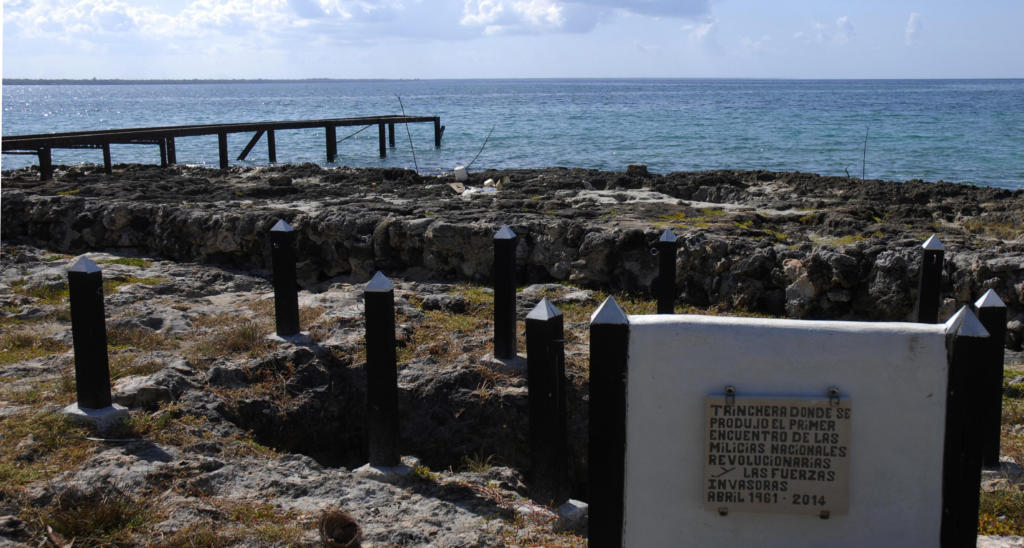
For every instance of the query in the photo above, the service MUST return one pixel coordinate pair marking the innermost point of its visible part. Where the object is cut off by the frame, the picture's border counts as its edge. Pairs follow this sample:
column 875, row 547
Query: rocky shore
column 236, row 441
column 783, row 244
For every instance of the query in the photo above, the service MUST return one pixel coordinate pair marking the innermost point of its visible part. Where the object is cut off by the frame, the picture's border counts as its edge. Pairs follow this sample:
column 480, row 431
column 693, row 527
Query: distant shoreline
column 177, row 81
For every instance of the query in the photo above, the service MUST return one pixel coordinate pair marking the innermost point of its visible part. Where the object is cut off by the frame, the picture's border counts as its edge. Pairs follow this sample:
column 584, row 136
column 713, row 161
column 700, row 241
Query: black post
column 545, row 370
column 45, row 164
column 380, row 140
column 438, row 131
column 391, row 134
column 991, row 313
column 381, row 373
column 172, row 154
column 929, row 280
column 332, row 143
column 609, row 348
column 505, row 293
column 89, row 335
column 962, row 456
column 666, row 281
column 286, row 296
column 271, row 147
column 107, row 167
column 222, row 146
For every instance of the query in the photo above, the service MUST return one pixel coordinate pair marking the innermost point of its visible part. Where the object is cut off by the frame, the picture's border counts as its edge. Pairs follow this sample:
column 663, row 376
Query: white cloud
column 202, row 25
column 667, row 8
column 756, row 45
column 843, row 30
column 500, row 17
column 699, row 33
column 840, row 32
column 913, row 27
column 532, row 16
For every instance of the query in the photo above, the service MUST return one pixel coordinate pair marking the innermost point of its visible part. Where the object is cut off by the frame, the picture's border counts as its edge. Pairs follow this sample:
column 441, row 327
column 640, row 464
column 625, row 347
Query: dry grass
column 139, row 338
column 994, row 229
column 248, row 523
column 129, row 261
column 94, row 519
column 16, row 346
column 38, row 446
column 53, row 294
column 247, row 337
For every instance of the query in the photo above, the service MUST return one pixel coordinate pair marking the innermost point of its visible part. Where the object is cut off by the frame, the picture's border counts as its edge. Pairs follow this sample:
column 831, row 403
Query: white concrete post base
column 300, row 338
column 388, row 474
column 508, row 366
column 103, row 419
column 572, row 515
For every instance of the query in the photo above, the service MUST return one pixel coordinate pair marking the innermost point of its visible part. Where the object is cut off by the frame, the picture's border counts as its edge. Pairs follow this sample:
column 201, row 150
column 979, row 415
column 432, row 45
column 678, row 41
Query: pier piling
column 45, row 164
column 380, row 139
column 162, row 143
column 271, row 147
column 391, row 134
column 332, row 143
column 107, row 167
column 222, row 145
column 172, row 154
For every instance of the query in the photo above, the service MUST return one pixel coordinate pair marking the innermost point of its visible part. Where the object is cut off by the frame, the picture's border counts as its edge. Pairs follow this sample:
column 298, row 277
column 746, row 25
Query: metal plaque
column 787, row 455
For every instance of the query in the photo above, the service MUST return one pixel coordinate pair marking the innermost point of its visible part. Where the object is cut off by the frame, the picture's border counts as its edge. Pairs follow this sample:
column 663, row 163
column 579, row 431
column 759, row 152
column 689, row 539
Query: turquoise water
column 955, row 130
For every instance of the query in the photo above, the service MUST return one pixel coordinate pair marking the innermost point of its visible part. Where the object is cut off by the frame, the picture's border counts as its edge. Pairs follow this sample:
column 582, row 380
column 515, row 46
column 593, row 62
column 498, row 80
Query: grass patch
column 69, row 192
column 477, row 297
column 111, row 285
column 127, row 364
column 839, row 241
column 38, row 447
column 1001, row 230
column 16, row 346
column 479, row 463
column 436, row 336
column 129, row 261
column 139, row 338
column 53, row 294
column 200, row 534
column 1001, row 513
column 95, row 519
column 245, row 337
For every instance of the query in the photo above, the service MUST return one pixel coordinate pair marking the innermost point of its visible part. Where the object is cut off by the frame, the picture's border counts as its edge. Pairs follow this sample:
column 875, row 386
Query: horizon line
column 116, row 81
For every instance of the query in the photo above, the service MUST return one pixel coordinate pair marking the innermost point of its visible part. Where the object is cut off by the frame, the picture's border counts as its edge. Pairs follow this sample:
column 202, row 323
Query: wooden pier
column 163, row 137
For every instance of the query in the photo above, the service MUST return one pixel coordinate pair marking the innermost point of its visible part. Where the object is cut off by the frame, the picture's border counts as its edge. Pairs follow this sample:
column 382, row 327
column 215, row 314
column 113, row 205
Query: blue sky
column 512, row 38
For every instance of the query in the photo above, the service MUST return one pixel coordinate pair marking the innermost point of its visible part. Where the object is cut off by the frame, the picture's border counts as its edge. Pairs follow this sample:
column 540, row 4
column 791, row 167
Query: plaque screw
column 723, row 511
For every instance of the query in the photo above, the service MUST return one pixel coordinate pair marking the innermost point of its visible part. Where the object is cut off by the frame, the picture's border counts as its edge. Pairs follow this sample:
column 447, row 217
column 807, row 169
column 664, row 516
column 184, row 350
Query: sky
column 139, row 39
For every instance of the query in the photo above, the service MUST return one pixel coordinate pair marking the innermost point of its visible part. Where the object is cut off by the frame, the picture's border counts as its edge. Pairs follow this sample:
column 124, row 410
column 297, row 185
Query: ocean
column 969, row 131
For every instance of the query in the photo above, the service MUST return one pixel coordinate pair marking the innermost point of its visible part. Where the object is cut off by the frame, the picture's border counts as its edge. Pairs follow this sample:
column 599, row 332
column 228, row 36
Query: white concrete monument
column 755, row 432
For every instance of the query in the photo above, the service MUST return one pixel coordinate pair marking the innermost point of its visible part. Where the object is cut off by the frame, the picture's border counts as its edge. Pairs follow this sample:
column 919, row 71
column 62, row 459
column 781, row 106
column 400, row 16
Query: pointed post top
column 504, row 233
column 609, row 313
column 990, row 300
column 379, row 284
column 281, row 226
column 668, row 236
column 543, row 311
column 83, row 264
column 965, row 324
column 933, row 244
